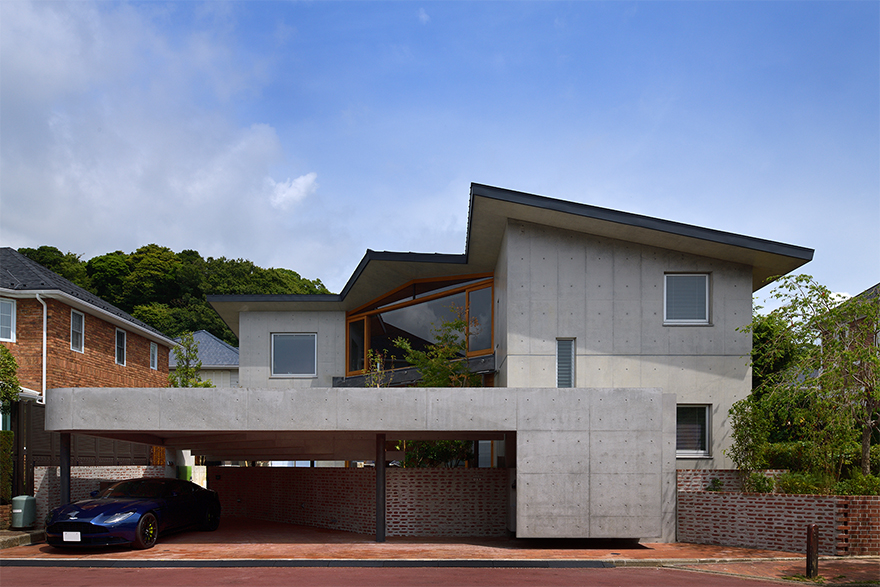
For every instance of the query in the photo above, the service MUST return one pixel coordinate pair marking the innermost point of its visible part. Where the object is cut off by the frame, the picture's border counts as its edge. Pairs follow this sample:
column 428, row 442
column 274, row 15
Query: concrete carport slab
column 591, row 462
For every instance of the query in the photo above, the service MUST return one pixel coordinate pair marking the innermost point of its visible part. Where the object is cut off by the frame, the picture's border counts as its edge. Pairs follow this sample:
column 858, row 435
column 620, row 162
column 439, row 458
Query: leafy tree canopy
column 186, row 356
column 168, row 290
column 9, row 385
column 816, row 365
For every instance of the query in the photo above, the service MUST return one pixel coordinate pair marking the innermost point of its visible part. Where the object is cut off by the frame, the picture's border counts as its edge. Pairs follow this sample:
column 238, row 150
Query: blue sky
column 299, row 134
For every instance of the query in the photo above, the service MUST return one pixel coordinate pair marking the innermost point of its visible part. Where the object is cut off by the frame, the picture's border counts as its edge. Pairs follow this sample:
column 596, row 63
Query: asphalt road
column 364, row 577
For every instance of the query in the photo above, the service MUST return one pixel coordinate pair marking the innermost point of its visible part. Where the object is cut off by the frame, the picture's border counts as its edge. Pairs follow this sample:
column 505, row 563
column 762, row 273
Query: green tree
column 827, row 392
column 186, row 355
column 108, row 274
column 444, row 363
column 67, row 265
column 10, row 388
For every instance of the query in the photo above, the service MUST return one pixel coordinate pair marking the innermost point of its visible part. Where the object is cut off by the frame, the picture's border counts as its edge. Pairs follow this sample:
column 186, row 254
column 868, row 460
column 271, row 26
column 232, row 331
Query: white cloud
column 423, row 16
column 284, row 194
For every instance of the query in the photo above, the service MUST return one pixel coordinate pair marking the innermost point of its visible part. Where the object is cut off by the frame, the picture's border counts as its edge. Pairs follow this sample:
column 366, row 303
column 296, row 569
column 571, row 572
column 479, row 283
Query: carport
column 586, row 462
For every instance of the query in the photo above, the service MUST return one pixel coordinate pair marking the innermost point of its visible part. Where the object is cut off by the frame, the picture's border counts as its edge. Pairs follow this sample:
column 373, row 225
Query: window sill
column 293, row 376
column 688, row 324
column 692, row 456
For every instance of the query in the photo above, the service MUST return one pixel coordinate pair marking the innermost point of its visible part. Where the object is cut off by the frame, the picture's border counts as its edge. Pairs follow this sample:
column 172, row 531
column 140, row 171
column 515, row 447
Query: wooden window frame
column 474, row 282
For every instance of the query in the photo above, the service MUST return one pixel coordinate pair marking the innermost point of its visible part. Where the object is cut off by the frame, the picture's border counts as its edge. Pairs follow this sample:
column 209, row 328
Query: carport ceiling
column 285, row 445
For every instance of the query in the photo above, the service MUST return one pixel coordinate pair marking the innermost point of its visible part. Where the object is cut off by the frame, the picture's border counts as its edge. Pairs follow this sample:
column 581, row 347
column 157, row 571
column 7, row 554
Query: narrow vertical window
column 120, row 347
column 77, row 331
column 686, row 299
column 7, row 320
column 154, row 356
column 565, row 362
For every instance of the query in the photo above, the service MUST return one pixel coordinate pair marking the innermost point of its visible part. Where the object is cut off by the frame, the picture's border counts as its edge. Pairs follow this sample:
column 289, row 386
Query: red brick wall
column 83, row 480
column 699, row 479
column 95, row 367
column 419, row 502
column 859, row 525
column 5, row 516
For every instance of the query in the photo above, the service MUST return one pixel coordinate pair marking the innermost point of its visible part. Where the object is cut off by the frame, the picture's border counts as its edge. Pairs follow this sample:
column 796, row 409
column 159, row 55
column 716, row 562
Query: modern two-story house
column 608, row 344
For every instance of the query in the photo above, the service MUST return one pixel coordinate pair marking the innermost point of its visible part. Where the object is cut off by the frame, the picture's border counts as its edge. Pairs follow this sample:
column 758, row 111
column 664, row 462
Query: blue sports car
column 133, row 512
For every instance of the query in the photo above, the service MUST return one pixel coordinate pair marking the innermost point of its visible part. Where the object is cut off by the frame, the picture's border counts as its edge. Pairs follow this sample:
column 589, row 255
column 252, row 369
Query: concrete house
column 64, row 336
column 607, row 341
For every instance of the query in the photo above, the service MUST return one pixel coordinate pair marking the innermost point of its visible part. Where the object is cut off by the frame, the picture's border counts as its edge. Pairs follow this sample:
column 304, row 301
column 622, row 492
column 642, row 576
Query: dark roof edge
column 635, row 220
column 399, row 257
column 273, row 298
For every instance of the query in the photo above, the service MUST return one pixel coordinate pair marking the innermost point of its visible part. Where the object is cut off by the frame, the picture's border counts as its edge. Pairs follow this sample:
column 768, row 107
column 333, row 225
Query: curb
column 8, row 539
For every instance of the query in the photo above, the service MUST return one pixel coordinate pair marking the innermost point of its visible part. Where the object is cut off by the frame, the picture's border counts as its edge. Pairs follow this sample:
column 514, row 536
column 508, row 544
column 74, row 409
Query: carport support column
column 380, row 488
column 65, row 468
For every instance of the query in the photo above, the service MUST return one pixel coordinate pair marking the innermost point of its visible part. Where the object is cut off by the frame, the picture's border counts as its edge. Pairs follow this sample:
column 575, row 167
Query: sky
column 300, row 134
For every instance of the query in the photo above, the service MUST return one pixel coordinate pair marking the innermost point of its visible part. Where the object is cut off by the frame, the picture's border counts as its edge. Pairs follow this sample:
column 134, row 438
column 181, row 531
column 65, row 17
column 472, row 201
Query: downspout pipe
column 42, row 399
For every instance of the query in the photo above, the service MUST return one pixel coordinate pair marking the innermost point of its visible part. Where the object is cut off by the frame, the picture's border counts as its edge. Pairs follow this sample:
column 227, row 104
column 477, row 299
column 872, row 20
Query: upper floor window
column 7, row 320
column 416, row 312
column 294, row 354
column 686, row 298
column 154, row 356
column 77, row 331
column 120, row 347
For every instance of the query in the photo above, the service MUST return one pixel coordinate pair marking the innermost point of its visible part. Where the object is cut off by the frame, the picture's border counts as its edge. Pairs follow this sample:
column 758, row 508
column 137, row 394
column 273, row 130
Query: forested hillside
column 166, row 289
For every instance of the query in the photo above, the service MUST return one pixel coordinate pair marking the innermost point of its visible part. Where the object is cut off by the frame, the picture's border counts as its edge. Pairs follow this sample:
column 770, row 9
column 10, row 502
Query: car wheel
column 211, row 520
column 147, row 532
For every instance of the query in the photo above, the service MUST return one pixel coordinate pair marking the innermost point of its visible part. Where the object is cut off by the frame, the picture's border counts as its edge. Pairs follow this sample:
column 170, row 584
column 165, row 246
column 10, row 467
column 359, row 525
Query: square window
column 7, row 320
column 686, row 298
column 294, row 354
column 120, row 347
column 692, row 431
column 154, row 356
column 565, row 362
column 77, row 331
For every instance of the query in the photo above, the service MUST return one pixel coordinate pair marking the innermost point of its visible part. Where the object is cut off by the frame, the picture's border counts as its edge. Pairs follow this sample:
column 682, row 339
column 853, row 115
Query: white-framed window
column 77, row 331
column 565, row 362
column 154, row 356
column 692, row 427
column 7, row 320
column 120, row 347
column 294, row 354
column 686, row 298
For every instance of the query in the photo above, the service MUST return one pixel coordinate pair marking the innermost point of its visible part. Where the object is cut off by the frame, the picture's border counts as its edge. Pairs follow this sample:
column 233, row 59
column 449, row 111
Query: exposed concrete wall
column 590, row 462
column 255, row 344
column 608, row 295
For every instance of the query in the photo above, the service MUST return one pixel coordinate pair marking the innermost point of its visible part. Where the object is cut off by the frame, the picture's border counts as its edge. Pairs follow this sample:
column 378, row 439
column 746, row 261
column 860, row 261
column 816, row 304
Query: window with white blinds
column 692, row 431
column 565, row 362
column 686, row 298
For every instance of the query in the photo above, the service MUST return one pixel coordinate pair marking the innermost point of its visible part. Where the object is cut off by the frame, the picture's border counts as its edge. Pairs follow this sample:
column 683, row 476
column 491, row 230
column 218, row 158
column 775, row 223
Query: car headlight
column 116, row 518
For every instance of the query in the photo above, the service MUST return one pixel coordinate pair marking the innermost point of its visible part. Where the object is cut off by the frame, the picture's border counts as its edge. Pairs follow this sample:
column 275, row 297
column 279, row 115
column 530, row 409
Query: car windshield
column 134, row 488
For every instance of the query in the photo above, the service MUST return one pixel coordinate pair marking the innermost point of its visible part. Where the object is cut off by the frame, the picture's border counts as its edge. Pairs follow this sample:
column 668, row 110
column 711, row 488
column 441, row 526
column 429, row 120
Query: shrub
column 858, row 485
column 758, row 482
column 804, row 483
column 6, row 447
column 715, row 484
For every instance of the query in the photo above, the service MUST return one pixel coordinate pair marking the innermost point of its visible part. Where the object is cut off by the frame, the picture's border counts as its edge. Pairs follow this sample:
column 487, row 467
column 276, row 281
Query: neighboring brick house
column 608, row 342
column 64, row 336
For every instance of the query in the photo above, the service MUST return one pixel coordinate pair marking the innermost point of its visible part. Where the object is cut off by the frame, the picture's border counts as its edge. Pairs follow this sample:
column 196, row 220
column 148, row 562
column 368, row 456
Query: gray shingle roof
column 213, row 352
column 18, row 273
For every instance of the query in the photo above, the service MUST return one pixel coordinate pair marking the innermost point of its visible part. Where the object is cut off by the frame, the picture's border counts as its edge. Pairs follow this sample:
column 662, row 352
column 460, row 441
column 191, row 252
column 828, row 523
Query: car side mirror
column 94, row 493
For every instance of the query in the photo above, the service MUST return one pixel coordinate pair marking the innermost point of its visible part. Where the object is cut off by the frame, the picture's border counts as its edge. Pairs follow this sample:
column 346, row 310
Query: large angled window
column 416, row 312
